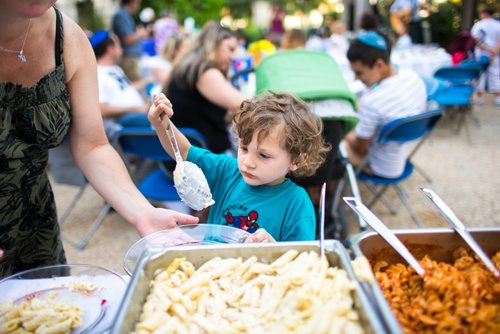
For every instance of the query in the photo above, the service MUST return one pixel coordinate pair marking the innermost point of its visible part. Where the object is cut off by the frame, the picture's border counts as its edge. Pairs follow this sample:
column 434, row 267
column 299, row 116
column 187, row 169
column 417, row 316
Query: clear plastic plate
column 186, row 234
column 58, row 282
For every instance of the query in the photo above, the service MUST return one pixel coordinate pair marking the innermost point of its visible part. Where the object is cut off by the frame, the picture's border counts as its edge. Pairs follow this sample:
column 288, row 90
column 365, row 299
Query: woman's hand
column 160, row 108
column 160, row 219
column 261, row 235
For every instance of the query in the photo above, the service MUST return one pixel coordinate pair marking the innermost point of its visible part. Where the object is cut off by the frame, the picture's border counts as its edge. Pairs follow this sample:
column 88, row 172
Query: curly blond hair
column 302, row 129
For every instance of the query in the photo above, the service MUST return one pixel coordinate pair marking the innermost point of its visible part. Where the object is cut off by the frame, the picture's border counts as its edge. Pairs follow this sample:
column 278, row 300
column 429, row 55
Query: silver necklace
column 20, row 54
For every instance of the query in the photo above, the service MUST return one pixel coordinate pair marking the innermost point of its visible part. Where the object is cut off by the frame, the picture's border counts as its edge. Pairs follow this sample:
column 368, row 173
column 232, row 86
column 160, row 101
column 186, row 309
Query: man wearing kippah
column 120, row 100
column 391, row 94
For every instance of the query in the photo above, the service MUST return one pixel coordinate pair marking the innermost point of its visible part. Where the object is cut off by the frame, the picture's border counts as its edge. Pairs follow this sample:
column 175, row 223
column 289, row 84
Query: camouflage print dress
column 32, row 120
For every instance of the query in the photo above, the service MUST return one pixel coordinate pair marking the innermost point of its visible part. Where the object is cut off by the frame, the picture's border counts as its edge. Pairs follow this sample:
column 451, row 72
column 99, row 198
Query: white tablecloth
column 424, row 60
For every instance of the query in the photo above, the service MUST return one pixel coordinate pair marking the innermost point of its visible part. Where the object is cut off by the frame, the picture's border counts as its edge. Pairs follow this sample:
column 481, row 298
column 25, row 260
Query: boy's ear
column 297, row 162
column 380, row 64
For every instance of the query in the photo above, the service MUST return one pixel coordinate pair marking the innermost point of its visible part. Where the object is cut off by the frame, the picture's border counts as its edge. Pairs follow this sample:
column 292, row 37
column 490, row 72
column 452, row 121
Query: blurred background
column 440, row 20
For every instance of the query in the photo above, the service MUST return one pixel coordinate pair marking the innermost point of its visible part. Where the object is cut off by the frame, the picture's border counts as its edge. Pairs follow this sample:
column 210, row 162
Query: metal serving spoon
column 361, row 210
column 322, row 220
column 189, row 180
column 460, row 228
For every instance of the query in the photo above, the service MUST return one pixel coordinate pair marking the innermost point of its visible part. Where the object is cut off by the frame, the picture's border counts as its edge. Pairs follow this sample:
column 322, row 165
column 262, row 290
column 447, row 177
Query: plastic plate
column 58, row 282
column 181, row 235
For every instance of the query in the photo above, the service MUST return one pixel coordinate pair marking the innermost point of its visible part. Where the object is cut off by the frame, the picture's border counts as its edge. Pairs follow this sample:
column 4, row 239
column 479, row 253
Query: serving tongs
column 460, row 228
column 363, row 212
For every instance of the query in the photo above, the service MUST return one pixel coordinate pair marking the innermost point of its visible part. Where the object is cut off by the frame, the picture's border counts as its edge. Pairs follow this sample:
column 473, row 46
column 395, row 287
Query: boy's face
column 368, row 75
column 265, row 162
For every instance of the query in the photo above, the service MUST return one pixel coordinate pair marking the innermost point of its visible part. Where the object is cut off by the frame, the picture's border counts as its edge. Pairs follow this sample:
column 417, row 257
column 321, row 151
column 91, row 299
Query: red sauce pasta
column 463, row 297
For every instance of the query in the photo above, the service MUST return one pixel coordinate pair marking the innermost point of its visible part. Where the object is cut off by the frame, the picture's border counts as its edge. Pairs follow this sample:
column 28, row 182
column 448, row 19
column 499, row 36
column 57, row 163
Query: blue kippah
column 98, row 37
column 373, row 39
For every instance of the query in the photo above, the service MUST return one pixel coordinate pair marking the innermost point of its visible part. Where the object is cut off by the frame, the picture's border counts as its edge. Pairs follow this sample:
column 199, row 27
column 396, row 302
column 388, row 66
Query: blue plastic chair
column 458, row 88
column 144, row 143
column 433, row 87
column 402, row 130
column 481, row 63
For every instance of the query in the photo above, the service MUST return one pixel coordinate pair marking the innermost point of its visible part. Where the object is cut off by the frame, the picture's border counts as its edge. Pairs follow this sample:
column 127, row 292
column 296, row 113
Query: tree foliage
column 201, row 10
column 445, row 23
column 206, row 10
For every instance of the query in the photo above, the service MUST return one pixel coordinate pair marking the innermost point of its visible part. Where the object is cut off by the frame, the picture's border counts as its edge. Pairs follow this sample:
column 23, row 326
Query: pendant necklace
column 20, row 54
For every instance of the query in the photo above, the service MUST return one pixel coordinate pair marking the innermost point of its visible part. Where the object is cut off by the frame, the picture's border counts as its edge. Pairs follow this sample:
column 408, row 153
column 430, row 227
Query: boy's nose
column 248, row 162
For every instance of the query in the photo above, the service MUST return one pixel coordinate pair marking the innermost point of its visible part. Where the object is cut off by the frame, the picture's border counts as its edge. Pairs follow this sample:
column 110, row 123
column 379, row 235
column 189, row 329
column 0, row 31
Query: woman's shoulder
column 212, row 73
column 78, row 53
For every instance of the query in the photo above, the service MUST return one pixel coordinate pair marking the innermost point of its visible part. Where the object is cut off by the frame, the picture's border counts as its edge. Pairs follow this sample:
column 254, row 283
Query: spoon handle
column 173, row 142
column 460, row 228
column 322, row 220
column 372, row 220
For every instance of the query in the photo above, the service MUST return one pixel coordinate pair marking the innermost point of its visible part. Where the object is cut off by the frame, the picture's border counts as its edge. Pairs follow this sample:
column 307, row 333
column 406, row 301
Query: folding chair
column 156, row 186
column 65, row 171
column 402, row 130
column 456, row 93
column 481, row 63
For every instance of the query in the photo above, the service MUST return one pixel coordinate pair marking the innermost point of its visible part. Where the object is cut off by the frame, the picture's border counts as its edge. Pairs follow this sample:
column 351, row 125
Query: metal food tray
column 152, row 260
column 437, row 243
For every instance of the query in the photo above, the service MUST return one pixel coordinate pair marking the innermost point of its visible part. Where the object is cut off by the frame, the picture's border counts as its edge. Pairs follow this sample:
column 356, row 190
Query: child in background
column 278, row 135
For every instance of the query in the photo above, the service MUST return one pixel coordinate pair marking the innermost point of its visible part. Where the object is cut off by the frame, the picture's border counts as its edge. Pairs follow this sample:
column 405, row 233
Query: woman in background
column 198, row 87
column 293, row 39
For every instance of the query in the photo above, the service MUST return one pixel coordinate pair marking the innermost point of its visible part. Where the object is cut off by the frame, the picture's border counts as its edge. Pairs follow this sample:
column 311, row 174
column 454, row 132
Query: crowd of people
column 62, row 85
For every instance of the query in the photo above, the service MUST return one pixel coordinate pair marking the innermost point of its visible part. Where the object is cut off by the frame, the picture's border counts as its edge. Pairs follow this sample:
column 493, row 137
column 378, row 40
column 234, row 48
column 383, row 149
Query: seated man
column 120, row 101
column 391, row 95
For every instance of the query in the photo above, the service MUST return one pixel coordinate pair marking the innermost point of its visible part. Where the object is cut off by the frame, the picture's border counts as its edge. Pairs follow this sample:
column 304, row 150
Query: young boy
column 391, row 94
column 278, row 135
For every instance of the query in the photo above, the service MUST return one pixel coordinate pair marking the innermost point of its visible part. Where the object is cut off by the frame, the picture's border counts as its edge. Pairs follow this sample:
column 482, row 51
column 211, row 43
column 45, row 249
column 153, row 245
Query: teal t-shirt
column 284, row 210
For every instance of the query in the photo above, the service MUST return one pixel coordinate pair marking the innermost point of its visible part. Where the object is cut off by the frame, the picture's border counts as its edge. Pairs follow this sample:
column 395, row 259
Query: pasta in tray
column 297, row 293
column 42, row 316
column 463, row 297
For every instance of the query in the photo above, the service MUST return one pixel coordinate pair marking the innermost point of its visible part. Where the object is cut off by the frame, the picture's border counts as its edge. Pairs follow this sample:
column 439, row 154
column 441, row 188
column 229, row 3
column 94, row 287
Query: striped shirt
column 401, row 95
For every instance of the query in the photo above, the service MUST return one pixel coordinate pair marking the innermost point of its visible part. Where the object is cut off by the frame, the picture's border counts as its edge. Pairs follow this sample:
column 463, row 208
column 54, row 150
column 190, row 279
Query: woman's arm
column 218, row 90
column 109, row 111
column 91, row 150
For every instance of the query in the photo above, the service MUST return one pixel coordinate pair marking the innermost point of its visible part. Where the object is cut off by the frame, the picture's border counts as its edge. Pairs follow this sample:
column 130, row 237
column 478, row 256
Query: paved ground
column 464, row 173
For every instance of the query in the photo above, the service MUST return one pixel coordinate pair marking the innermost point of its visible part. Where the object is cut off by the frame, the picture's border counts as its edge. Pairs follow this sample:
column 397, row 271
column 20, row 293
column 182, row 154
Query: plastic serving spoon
column 189, row 180
column 361, row 210
column 460, row 228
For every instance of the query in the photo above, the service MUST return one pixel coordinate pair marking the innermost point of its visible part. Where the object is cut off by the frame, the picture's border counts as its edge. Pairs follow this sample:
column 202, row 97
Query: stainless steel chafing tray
column 438, row 243
column 152, row 260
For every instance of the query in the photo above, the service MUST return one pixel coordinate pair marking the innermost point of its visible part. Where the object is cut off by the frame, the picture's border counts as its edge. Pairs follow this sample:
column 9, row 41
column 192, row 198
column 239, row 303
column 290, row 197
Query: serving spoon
column 189, row 180
column 460, row 228
column 362, row 211
column 322, row 220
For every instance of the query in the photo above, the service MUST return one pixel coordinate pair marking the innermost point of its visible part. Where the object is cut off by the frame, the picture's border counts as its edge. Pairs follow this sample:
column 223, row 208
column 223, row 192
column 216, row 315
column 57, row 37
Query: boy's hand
column 160, row 108
column 261, row 235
